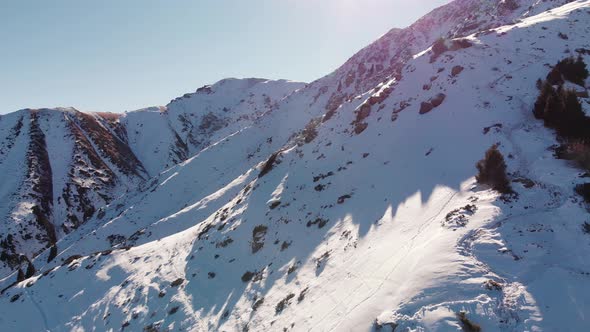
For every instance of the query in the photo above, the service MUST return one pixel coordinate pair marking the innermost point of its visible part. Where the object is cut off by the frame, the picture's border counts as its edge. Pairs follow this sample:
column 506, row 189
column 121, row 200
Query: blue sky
column 117, row 55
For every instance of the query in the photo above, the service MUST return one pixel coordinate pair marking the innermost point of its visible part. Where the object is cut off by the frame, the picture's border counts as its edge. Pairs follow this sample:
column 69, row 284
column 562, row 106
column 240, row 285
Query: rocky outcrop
column 41, row 180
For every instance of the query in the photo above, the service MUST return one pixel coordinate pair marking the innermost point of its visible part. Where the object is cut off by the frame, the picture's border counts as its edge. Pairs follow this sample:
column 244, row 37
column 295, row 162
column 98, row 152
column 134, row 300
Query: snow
column 234, row 103
column 60, row 150
column 13, row 150
column 351, row 228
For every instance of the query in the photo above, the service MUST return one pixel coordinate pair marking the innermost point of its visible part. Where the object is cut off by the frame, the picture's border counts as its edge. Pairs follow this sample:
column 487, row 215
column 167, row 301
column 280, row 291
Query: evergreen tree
column 30, row 271
column 52, row 253
column 492, row 171
column 20, row 276
column 539, row 108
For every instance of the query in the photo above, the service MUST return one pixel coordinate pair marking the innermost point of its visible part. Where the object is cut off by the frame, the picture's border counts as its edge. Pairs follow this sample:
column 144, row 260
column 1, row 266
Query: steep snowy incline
column 368, row 218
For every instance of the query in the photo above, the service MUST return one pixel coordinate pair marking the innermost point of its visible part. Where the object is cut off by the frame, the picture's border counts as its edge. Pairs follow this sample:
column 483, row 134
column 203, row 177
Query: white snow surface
column 349, row 230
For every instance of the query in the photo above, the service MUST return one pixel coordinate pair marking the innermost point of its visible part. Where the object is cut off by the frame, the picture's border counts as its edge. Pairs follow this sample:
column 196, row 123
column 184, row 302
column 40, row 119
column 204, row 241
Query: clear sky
column 118, row 55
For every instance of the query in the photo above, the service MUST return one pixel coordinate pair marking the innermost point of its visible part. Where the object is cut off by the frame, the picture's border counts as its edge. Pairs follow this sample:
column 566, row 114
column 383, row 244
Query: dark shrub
column 573, row 70
column 257, row 303
column 492, row 285
column 292, row 268
column 283, row 303
column 269, row 164
column 561, row 110
column 492, row 171
column 52, row 253
column 584, row 191
column 301, row 296
column 318, row 221
column 343, row 198
column 285, row 245
column 30, row 270
column 554, row 77
column 247, row 276
column 258, row 234
column 546, row 91
column 177, row 282
column 70, row 259
column 466, row 324
column 20, row 275
column 586, row 227
column 224, row 243
column 274, row 205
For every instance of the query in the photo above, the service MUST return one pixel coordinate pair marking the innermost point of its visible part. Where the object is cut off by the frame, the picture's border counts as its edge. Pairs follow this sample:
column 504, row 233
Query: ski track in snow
column 39, row 309
column 409, row 247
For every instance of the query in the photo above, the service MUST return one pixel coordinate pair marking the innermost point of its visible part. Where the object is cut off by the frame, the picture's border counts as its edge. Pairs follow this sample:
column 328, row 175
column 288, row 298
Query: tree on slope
column 492, row 171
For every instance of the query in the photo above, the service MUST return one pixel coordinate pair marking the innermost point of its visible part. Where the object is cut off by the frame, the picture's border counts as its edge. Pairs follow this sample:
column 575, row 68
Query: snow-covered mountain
column 346, row 204
column 194, row 121
column 59, row 166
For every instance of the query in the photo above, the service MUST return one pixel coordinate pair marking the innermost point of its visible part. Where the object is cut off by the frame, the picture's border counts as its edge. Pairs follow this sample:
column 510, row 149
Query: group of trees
column 560, row 109
column 570, row 69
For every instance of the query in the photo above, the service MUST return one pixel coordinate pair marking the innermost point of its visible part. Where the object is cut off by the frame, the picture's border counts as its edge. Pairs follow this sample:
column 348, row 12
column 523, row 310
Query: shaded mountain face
column 346, row 204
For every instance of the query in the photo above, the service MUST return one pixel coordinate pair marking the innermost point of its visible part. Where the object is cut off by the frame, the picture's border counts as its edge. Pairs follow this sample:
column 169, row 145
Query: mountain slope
column 194, row 121
column 77, row 162
column 59, row 164
column 369, row 213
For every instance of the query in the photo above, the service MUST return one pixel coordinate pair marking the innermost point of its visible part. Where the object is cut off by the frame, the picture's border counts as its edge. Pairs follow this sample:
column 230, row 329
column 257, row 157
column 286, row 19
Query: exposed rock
column 456, row 70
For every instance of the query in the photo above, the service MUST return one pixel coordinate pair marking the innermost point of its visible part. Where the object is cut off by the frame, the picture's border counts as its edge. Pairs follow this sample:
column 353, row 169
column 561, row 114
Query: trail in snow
column 409, row 246
column 39, row 308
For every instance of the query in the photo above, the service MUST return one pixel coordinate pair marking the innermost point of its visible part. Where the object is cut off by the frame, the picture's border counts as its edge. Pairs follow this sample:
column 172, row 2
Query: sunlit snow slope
column 347, row 208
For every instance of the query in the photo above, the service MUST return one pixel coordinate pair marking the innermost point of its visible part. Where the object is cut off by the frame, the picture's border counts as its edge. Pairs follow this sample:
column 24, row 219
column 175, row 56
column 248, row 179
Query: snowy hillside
column 76, row 163
column 349, row 204
column 194, row 121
